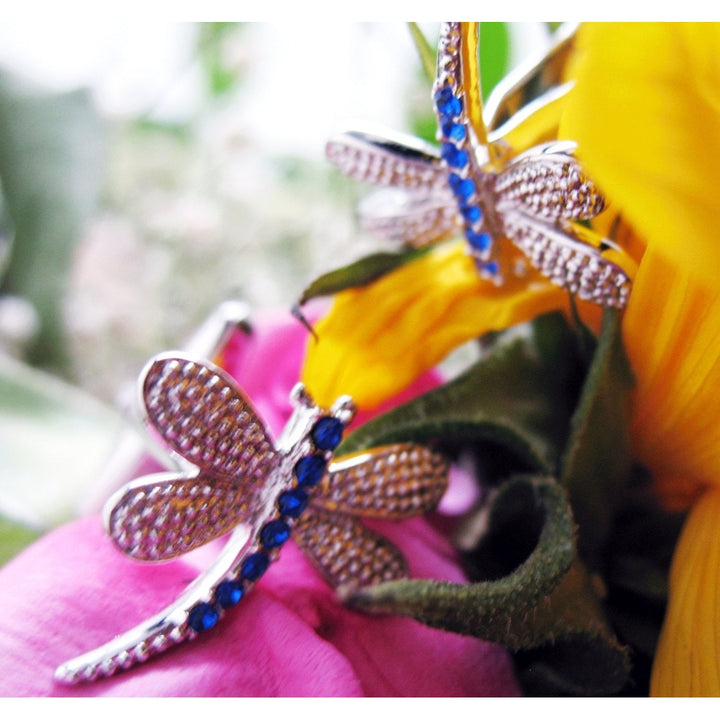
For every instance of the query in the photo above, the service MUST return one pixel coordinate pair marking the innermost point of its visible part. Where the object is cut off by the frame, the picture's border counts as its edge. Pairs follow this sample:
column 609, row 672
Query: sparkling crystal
column 203, row 617
column 453, row 156
column 464, row 188
column 472, row 213
column 254, row 566
column 327, row 433
column 229, row 593
column 292, row 502
column 480, row 241
column 309, row 470
column 446, row 102
column 274, row 534
column 454, row 131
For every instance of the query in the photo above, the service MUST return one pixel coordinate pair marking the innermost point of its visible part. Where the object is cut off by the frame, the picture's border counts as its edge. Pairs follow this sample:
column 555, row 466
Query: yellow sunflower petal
column 687, row 661
column 672, row 337
column 645, row 111
column 377, row 339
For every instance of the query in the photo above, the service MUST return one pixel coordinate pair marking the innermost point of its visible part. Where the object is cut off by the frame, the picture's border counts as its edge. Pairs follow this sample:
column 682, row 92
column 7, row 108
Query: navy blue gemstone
column 491, row 268
column 327, row 433
column 479, row 241
column 463, row 188
column 309, row 470
column 254, row 566
column 292, row 502
column 446, row 102
column 453, row 156
column 274, row 534
column 472, row 213
column 454, row 131
column 229, row 593
column 203, row 617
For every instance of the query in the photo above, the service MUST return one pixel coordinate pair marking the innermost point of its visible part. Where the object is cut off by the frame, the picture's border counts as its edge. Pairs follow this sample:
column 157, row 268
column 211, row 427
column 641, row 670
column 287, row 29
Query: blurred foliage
column 222, row 74
column 50, row 164
column 14, row 536
column 494, row 55
column 54, row 439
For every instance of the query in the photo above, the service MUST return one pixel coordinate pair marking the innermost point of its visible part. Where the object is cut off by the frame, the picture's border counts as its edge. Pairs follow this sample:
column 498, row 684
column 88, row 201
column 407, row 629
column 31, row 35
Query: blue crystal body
column 274, row 534
column 327, row 433
column 203, row 617
column 446, row 102
column 479, row 241
column 309, row 470
column 454, row 131
column 472, row 213
column 291, row 503
column 453, row 156
column 464, row 188
column 229, row 593
column 254, row 566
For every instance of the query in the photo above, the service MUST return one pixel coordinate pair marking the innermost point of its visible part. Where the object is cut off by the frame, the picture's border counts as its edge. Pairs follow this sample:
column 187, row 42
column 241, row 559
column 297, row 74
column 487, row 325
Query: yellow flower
column 646, row 114
column 377, row 339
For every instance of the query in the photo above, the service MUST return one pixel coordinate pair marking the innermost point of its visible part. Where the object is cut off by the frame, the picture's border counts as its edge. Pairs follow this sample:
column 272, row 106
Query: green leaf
column 14, row 537
column 426, row 51
column 519, row 396
column 497, row 610
column 545, row 609
column 581, row 655
column 50, row 157
column 494, row 42
column 212, row 50
column 361, row 272
column 597, row 463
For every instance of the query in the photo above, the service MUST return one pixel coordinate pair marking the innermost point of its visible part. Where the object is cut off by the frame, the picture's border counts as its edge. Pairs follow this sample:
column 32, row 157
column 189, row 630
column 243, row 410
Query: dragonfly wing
column 390, row 482
column 560, row 254
column 407, row 217
column 161, row 516
column 345, row 552
column 547, row 181
column 203, row 416
column 389, row 159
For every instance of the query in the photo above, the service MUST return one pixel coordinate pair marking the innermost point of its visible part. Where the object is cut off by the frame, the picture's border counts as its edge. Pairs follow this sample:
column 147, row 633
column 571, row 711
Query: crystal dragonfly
column 232, row 478
column 470, row 184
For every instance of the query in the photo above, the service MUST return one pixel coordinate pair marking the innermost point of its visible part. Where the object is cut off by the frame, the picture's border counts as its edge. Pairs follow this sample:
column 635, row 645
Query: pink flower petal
column 72, row 591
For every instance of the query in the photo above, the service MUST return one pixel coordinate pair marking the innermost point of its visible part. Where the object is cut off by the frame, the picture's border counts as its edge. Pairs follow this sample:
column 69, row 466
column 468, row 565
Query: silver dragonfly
column 538, row 200
column 232, row 478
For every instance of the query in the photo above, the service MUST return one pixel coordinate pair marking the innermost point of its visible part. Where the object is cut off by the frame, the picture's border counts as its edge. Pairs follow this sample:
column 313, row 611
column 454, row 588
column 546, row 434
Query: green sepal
column 581, row 655
column 359, row 273
column 597, row 463
column 545, row 610
column 519, row 396
column 497, row 610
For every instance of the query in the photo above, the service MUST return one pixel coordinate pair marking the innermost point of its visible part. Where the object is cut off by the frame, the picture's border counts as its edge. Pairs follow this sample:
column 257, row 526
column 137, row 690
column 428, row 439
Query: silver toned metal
column 534, row 200
column 232, row 478
column 208, row 341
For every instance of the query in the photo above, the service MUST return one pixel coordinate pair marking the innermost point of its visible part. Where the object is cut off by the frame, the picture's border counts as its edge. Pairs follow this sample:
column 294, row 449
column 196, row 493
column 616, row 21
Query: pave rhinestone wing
column 533, row 200
column 392, row 482
column 346, row 552
column 203, row 417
